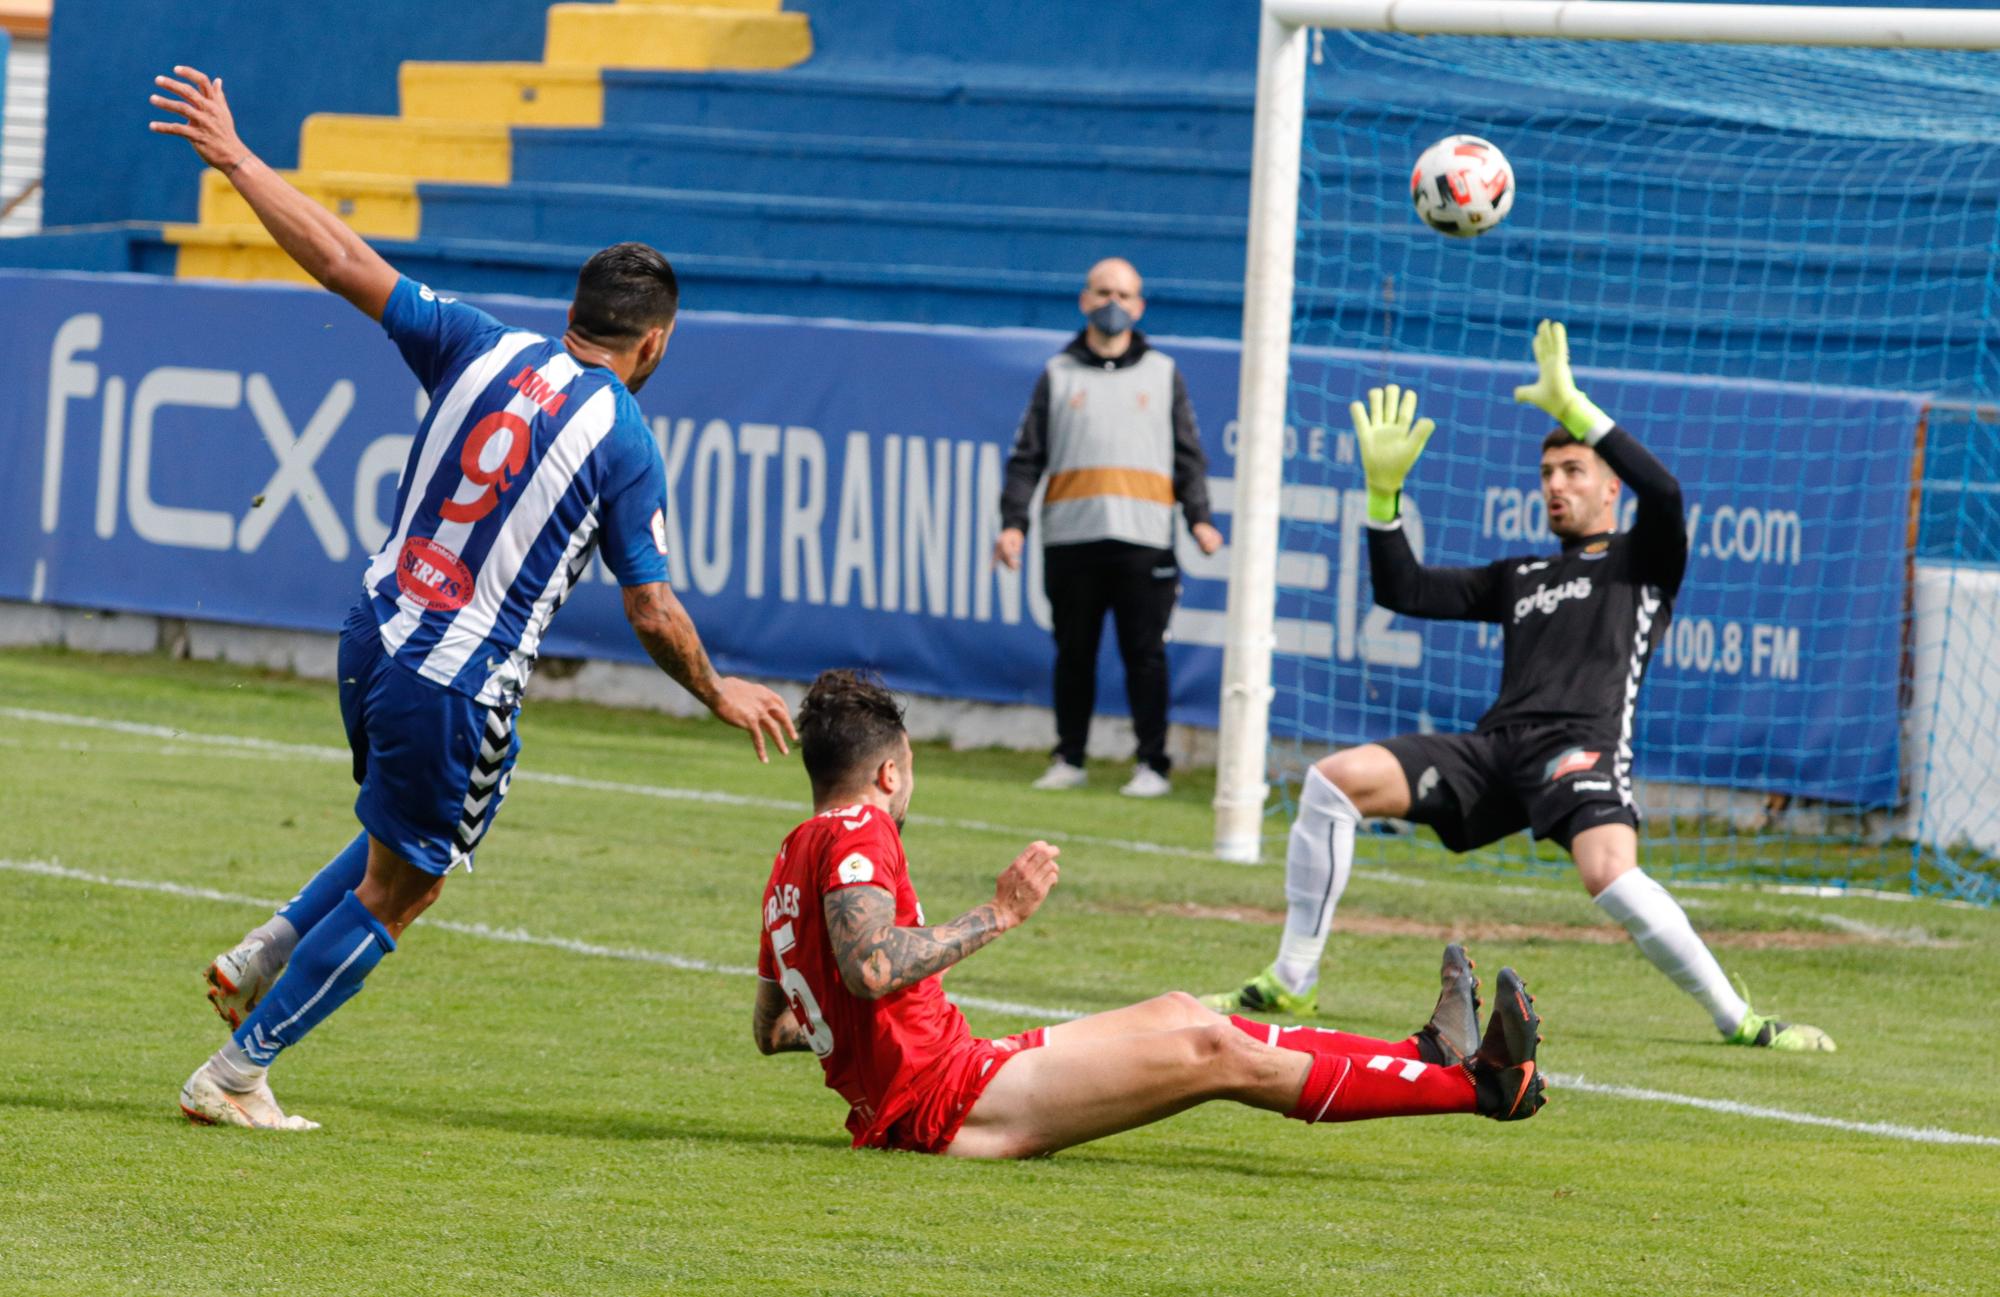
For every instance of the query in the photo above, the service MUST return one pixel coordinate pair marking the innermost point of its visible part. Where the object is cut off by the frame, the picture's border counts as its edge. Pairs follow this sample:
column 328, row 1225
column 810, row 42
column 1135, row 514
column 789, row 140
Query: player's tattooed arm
column 878, row 958
column 772, row 1025
column 668, row 635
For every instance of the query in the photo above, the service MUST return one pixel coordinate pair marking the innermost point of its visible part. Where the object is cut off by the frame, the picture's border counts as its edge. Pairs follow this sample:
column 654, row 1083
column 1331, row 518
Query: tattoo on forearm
column 669, row 638
column 773, row 1026
column 883, row 958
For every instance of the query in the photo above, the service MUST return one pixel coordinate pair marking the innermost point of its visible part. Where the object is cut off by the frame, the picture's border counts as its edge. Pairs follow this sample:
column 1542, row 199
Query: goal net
column 1777, row 265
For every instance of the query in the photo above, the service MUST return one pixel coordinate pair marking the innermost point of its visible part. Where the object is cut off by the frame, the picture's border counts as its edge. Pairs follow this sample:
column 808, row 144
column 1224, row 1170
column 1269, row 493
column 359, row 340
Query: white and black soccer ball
column 1462, row 186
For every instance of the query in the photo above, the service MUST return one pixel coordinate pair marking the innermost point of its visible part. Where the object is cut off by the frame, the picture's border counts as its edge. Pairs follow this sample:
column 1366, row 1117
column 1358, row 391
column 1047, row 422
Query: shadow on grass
column 577, row 1125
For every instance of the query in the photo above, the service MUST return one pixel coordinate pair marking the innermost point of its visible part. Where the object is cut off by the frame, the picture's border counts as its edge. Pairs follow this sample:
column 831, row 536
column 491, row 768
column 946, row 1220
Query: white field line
column 317, row 752
column 487, row 932
column 634, row 954
column 238, row 744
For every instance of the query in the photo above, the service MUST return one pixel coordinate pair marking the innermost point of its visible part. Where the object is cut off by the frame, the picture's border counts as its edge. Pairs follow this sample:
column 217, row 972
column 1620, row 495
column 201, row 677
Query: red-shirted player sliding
column 848, row 969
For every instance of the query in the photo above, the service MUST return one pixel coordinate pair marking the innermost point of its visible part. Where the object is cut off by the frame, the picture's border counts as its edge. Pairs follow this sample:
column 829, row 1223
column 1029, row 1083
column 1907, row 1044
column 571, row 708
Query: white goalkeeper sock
column 1660, row 928
column 1316, row 867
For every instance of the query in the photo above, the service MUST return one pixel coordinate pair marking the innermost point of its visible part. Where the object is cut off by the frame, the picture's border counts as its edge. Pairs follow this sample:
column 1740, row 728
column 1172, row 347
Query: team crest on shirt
column 1595, row 550
column 1575, row 761
column 432, row 575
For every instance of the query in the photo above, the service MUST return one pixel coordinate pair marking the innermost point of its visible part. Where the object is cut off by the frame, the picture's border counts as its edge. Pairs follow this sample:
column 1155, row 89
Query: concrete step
column 515, row 94
column 380, row 206
column 1082, row 177
column 675, row 36
column 478, row 152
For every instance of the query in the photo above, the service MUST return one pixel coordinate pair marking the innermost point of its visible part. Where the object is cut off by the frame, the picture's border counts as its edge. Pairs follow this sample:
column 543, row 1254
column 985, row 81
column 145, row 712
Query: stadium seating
column 836, row 163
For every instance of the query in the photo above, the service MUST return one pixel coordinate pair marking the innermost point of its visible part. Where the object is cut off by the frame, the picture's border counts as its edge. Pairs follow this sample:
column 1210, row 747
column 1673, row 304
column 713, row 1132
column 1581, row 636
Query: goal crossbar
column 1630, row 20
column 1245, row 706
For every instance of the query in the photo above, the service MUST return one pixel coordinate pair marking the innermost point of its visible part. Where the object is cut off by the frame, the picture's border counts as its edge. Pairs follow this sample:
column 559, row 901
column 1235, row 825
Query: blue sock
column 322, row 892
column 326, row 970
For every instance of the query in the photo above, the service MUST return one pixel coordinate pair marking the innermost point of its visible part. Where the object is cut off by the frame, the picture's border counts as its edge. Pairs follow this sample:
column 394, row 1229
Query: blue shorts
column 433, row 764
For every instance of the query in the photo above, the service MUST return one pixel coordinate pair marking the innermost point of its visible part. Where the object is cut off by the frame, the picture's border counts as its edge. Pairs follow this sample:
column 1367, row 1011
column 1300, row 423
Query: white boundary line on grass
column 317, row 752
column 239, row 743
column 638, row 955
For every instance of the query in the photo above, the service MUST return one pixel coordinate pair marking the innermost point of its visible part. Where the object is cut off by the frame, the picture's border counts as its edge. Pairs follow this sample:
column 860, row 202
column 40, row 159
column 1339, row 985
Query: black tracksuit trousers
column 1138, row 587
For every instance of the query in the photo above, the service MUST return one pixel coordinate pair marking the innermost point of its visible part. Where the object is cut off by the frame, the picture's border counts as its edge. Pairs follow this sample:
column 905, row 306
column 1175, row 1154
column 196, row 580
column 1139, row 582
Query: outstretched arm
column 1391, row 437
column 312, row 236
column 667, row 633
column 1659, row 532
column 1406, row 586
column 878, row 958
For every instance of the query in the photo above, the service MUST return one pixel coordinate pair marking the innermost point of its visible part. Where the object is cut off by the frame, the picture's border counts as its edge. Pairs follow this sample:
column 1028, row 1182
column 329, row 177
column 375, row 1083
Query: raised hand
column 752, row 707
column 209, row 127
column 1025, row 884
column 1391, row 437
column 1554, row 391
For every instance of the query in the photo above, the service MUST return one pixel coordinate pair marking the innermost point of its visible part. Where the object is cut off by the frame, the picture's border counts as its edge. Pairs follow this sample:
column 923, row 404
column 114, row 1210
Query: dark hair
column 624, row 291
column 1559, row 437
column 848, row 720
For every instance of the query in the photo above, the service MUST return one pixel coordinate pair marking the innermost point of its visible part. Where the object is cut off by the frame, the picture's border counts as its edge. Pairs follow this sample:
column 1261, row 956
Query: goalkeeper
column 1554, row 752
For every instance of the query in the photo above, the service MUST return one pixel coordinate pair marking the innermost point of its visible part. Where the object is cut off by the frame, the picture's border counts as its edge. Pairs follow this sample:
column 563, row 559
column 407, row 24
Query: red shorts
column 929, row 1124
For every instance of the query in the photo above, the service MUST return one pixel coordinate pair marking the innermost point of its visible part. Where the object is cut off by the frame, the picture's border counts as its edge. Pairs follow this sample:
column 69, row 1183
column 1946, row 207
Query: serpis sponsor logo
column 1547, row 598
column 432, row 575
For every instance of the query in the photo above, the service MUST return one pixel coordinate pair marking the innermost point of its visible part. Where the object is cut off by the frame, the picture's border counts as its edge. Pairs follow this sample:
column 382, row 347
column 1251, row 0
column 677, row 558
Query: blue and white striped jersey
column 524, row 465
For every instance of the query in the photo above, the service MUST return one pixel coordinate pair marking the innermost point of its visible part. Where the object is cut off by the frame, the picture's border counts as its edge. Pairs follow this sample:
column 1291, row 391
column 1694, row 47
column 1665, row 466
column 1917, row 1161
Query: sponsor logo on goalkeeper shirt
column 1572, row 761
column 1547, row 598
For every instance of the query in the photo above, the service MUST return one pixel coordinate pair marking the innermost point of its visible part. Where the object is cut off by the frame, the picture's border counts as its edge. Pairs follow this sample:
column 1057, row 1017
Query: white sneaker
column 237, row 979
column 206, row 1103
column 1061, row 776
column 1146, row 782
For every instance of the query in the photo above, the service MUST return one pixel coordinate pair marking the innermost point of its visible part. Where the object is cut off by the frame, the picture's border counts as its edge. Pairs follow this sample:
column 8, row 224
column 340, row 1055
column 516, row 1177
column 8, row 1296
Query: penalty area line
column 659, row 958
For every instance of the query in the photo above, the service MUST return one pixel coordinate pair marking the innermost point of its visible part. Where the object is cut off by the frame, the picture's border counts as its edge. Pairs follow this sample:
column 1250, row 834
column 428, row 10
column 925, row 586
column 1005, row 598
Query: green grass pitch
column 511, row 1118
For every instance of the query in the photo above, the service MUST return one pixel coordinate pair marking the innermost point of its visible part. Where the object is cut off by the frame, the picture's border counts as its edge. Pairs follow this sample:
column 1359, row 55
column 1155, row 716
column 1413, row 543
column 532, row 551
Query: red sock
column 1356, row 1087
column 1319, row 1040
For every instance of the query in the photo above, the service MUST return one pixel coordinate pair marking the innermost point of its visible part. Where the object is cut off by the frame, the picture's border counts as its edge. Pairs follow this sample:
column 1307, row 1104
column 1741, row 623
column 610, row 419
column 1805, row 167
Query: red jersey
column 878, row 1054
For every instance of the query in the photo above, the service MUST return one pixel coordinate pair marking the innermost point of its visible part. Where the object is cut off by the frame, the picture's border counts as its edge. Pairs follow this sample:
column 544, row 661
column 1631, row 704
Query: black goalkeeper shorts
column 1478, row 788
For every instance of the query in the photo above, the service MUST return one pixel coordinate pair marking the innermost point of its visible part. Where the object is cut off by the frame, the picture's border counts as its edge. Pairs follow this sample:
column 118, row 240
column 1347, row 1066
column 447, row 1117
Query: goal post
column 1781, row 376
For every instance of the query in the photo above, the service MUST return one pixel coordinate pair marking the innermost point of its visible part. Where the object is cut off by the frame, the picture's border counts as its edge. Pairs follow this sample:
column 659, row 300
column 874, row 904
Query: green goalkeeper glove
column 1554, row 392
column 1391, row 438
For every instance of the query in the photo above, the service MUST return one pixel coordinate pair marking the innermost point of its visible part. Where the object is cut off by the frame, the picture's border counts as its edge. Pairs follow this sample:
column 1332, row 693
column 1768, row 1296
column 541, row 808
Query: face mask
column 1111, row 319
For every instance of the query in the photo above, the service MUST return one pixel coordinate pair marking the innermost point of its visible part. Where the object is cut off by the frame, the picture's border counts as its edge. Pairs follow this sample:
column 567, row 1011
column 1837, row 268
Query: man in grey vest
column 1111, row 426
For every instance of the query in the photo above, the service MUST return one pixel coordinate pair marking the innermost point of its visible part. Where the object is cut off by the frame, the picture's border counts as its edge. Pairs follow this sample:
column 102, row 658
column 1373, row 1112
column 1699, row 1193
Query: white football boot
column 238, row 978
column 207, row 1103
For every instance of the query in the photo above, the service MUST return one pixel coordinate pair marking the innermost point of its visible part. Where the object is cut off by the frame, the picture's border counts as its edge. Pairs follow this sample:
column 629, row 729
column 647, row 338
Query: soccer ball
column 1462, row 186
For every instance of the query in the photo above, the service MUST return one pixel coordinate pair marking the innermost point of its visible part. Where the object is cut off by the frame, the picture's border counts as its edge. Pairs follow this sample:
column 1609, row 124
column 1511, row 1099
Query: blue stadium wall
column 104, row 165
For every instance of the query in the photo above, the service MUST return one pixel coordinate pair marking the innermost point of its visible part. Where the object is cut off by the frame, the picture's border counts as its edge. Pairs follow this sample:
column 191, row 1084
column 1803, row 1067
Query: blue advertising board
column 231, row 453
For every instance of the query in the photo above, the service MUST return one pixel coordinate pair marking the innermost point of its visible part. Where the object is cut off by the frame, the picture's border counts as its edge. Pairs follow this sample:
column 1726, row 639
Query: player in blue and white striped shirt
column 533, row 456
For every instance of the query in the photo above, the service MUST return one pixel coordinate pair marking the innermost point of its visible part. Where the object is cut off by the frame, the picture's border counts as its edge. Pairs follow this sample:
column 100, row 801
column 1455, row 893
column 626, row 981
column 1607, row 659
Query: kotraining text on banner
column 231, row 453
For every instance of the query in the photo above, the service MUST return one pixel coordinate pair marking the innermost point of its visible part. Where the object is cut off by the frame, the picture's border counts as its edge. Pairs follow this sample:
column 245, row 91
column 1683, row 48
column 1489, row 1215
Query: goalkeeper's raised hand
column 1554, row 391
column 1391, row 438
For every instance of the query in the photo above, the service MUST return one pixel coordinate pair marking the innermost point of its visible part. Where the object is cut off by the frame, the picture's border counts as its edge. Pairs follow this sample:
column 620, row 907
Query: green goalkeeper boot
column 1768, row 1033
column 1264, row 993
